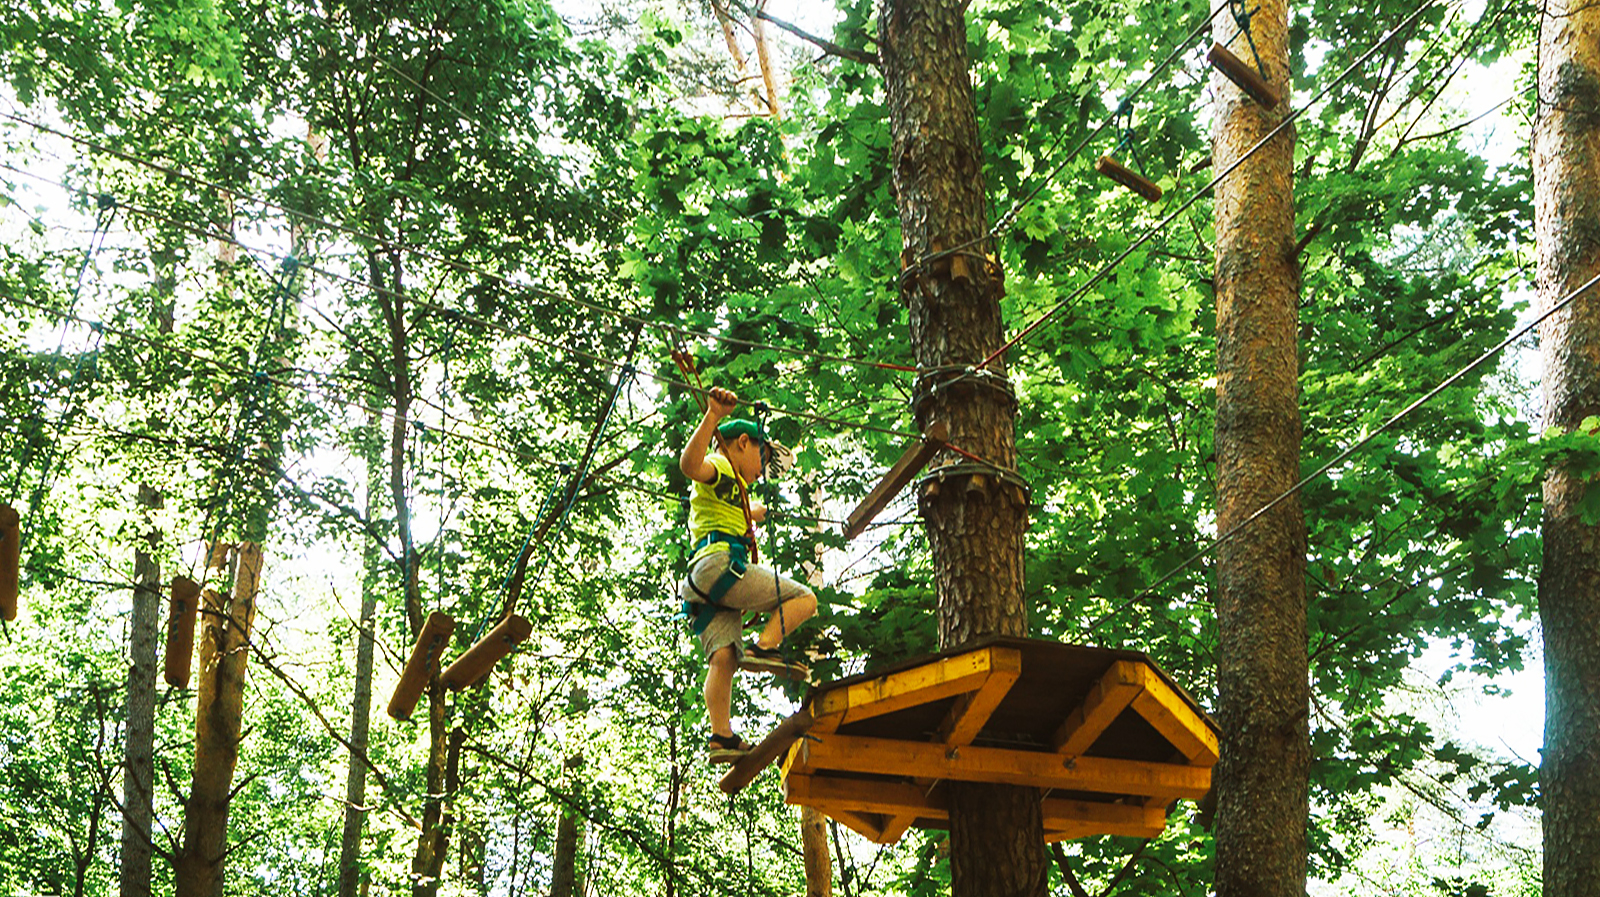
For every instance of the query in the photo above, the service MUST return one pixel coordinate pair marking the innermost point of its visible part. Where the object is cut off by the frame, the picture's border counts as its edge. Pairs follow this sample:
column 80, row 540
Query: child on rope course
column 721, row 583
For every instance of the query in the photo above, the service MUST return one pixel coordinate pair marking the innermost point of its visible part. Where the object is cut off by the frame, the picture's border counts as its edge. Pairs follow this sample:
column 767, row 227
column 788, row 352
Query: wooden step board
column 1106, row 735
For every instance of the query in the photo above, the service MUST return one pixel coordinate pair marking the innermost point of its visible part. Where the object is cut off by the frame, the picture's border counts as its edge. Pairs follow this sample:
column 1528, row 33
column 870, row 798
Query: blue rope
column 1241, row 17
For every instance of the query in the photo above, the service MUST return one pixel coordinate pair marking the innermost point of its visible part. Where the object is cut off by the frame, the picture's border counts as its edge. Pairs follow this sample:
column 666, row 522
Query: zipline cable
column 464, row 316
column 453, row 264
column 1358, row 445
column 1200, row 194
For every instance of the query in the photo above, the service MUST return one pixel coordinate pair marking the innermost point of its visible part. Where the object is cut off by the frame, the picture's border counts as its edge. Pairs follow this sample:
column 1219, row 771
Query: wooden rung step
column 1129, row 178
column 473, row 666
column 912, row 460
column 182, row 608
column 1248, row 79
column 424, row 659
column 10, row 560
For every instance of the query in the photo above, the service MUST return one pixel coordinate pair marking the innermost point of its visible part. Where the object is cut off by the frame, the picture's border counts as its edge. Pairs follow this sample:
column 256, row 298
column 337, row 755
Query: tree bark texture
column 1566, row 168
column 1263, row 690
column 564, row 872
column 814, row 849
column 975, row 513
column 138, row 763
column 224, row 653
column 355, row 787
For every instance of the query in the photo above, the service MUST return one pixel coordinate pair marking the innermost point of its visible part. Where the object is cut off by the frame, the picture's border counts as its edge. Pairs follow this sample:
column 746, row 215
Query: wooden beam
column 476, row 664
column 430, row 645
column 10, row 561
column 884, row 756
column 1117, row 688
column 972, row 710
column 925, row 684
column 900, row 800
column 894, row 828
column 1129, row 178
column 868, row 826
column 910, row 464
column 182, row 609
column 1248, row 79
column 777, row 742
column 1167, row 711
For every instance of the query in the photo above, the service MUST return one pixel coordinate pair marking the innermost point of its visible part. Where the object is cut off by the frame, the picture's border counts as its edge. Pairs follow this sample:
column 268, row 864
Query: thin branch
column 827, row 46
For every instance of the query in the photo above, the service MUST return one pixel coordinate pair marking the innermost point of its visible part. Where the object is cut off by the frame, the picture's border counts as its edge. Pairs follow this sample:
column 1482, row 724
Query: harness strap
column 699, row 613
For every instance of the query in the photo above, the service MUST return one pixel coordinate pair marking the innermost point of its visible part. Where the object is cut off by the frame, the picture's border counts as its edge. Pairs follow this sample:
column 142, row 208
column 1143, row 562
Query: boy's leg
column 783, row 621
column 719, row 689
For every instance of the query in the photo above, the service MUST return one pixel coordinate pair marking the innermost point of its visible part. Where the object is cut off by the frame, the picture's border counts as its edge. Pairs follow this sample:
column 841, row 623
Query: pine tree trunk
column 814, row 848
column 975, row 519
column 139, row 749
column 1566, row 167
column 1263, row 691
column 355, row 788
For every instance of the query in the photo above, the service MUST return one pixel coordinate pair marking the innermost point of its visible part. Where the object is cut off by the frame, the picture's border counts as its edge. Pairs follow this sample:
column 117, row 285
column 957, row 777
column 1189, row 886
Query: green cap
column 733, row 429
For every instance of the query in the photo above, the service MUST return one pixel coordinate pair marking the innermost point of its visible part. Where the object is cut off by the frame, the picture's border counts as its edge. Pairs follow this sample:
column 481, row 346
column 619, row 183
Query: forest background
column 369, row 285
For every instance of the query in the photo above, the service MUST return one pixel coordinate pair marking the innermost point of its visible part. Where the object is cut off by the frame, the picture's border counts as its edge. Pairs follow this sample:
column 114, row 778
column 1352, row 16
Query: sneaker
column 726, row 749
column 770, row 660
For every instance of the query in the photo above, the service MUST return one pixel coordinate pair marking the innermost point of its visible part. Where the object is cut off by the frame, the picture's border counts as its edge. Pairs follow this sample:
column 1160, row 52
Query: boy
column 721, row 583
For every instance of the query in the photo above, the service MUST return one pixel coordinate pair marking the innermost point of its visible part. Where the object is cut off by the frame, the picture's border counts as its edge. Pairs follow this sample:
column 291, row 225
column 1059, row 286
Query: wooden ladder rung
column 1129, row 178
column 1248, row 79
column 473, row 666
column 182, row 609
column 424, row 659
column 10, row 560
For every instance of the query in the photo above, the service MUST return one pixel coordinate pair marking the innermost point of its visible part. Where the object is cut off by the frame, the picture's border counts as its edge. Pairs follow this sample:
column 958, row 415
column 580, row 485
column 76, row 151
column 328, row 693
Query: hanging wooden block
column 181, row 611
column 425, row 654
column 1129, row 178
column 911, row 461
column 471, row 667
column 1248, row 79
column 10, row 560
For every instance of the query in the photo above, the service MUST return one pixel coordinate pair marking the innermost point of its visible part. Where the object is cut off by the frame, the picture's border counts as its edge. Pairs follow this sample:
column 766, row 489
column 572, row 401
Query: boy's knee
column 805, row 602
column 723, row 658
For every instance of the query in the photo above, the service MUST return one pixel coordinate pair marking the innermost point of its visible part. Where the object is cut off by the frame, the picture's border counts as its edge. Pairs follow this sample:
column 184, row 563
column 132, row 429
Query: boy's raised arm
column 692, row 462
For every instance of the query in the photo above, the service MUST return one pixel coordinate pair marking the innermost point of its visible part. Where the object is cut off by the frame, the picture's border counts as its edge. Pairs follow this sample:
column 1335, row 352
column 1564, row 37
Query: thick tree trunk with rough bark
column 224, row 656
column 1263, row 691
column 1566, row 168
column 138, row 763
column 975, row 514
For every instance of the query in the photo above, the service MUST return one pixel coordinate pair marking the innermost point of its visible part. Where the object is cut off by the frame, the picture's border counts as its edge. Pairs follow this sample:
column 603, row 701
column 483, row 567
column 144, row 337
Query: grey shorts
column 760, row 590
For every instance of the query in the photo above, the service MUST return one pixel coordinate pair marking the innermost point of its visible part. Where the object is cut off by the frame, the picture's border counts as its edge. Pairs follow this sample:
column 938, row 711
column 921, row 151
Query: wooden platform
column 1111, row 740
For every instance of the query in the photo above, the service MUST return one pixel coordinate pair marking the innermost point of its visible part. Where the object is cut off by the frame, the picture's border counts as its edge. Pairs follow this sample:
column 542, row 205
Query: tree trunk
column 1566, row 167
column 814, row 846
column 139, row 749
column 224, row 652
column 355, row 787
column 564, row 875
column 975, row 518
column 1263, row 691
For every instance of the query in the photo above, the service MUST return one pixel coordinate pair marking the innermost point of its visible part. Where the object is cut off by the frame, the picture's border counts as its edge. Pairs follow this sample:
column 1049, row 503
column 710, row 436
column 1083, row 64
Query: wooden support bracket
column 10, row 561
column 775, row 744
column 1248, row 79
column 910, row 464
column 424, row 659
column 182, row 609
column 1129, row 178
column 475, row 664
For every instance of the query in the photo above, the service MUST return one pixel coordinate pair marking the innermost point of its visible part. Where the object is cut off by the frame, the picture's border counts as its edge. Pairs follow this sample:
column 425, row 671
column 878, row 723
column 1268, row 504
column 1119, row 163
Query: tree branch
column 827, row 46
